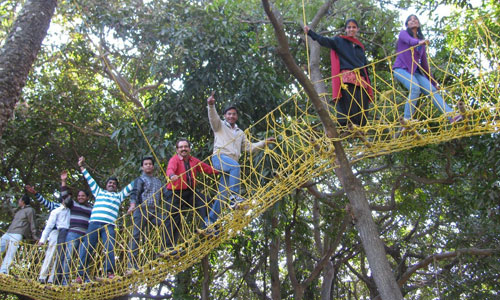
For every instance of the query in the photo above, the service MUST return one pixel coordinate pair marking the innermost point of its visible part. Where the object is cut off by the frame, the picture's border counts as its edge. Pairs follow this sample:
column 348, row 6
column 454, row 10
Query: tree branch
column 424, row 263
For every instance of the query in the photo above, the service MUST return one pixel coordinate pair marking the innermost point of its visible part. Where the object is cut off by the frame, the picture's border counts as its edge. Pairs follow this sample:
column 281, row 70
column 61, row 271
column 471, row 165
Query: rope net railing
column 301, row 152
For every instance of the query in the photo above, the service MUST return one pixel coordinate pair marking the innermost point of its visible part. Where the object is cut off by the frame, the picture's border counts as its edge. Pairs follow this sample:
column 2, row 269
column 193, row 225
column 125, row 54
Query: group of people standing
column 351, row 89
column 78, row 226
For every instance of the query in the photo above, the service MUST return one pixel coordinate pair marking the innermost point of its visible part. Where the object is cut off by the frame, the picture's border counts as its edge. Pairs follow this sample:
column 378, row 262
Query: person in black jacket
column 145, row 207
column 348, row 60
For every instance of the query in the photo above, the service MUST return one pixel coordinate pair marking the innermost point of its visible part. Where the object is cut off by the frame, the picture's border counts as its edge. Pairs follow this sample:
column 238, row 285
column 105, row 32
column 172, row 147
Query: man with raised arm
column 22, row 224
column 78, row 222
column 181, row 191
column 102, row 221
column 145, row 207
column 228, row 144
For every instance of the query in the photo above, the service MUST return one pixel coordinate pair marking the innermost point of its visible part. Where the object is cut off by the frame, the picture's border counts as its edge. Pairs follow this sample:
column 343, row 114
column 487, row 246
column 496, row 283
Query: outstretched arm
column 206, row 168
column 256, row 146
column 92, row 184
column 406, row 38
column 48, row 204
column 323, row 41
column 127, row 190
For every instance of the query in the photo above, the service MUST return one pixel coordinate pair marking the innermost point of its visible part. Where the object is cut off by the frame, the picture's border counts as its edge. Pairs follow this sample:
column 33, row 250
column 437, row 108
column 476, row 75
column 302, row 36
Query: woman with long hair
column 347, row 54
column 412, row 69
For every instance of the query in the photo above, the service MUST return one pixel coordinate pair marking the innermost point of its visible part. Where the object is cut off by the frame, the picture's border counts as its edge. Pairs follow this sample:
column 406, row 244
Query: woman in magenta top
column 347, row 53
column 412, row 69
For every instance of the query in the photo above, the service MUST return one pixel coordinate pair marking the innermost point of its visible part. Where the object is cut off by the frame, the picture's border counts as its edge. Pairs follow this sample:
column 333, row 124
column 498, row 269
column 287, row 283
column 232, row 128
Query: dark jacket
column 351, row 55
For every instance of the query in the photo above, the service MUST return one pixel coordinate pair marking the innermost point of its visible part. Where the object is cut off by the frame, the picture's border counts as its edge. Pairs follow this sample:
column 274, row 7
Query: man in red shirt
column 181, row 190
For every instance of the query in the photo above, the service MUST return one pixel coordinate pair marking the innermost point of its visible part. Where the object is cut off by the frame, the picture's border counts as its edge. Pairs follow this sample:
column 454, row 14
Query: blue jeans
column 416, row 84
column 73, row 242
column 106, row 234
column 12, row 239
column 229, row 183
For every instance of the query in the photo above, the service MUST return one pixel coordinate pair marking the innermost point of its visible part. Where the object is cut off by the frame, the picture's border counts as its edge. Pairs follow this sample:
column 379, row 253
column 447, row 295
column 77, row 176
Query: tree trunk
column 326, row 285
column 274, row 249
column 205, row 291
column 19, row 52
column 368, row 232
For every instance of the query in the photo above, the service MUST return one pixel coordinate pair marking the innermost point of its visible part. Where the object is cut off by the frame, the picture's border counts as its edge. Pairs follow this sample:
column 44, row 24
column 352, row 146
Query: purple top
column 404, row 59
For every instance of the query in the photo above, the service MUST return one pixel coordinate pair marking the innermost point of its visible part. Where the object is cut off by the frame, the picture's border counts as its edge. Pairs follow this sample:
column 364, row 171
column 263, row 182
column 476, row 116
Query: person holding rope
column 228, row 144
column 412, row 69
column 181, row 194
column 351, row 89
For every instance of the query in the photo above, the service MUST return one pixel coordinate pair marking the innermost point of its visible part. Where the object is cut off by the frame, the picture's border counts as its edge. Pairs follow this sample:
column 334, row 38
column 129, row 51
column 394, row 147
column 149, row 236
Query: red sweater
column 176, row 167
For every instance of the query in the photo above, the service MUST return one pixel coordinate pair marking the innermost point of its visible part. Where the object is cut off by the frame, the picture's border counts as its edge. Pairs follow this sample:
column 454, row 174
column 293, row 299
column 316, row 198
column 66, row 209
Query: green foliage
column 185, row 50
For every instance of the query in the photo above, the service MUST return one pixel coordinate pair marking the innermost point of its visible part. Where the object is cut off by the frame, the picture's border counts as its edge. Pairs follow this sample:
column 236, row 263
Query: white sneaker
column 236, row 202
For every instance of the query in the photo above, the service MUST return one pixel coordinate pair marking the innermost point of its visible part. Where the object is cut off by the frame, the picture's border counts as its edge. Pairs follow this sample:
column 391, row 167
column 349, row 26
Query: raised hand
column 270, row 140
column 30, row 189
column 211, row 99
column 64, row 175
column 131, row 208
column 81, row 160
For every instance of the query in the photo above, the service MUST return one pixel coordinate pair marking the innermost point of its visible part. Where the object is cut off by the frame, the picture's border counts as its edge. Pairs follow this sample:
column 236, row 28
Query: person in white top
column 58, row 220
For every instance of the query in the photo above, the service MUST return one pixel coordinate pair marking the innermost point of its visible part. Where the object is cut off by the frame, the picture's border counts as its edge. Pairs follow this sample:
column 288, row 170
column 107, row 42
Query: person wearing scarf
column 351, row 88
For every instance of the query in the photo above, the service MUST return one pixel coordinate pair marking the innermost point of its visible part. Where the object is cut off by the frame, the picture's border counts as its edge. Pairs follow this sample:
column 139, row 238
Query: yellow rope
column 304, row 20
column 302, row 152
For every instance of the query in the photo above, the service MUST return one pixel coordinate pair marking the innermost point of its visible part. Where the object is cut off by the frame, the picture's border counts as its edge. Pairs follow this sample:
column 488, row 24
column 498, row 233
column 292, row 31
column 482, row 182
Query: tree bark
column 328, row 276
column 274, row 249
column 19, row 52
column 205, row 287
column 368, row 232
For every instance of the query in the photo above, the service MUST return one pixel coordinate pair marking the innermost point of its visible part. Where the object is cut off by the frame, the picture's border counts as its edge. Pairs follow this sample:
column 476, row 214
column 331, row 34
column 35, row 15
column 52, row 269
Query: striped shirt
column 49, row 204
column 80, row 213
column 107, row 204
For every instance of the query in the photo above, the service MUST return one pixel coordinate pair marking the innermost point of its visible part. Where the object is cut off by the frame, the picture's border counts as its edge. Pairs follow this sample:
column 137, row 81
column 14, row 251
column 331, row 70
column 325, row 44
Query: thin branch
column 424, row 263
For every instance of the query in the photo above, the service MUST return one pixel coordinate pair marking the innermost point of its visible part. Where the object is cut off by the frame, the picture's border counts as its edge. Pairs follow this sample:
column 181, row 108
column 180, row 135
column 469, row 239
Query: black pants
column 60, row 252
column 181, row 202
column 145, row 217
column 351, row 106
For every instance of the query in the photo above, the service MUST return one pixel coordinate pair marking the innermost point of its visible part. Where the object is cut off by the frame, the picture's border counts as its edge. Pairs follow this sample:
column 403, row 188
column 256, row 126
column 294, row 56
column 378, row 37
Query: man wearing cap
column 22, row 224
column 102, row 221
column 228, row 144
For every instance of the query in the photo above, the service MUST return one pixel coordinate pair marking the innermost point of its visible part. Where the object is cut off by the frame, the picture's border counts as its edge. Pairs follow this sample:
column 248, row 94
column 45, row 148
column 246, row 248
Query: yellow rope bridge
column 301, row 153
